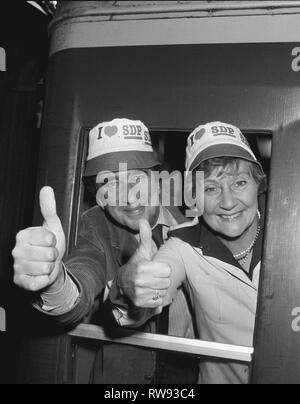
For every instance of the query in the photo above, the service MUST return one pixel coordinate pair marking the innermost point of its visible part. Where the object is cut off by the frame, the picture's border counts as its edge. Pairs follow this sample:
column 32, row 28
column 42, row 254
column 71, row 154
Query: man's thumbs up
column 51, row 220
column 39, row 250
column 48, row 209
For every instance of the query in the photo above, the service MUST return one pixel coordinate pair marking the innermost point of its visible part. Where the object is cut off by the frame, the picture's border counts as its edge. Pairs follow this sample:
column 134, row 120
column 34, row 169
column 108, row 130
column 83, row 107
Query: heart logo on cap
column 111, row 131
column 199, row 134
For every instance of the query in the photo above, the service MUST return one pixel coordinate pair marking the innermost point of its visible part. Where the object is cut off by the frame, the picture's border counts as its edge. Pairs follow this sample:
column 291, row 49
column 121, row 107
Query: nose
column 132, row 196
column 126, row 196
column 228, row 201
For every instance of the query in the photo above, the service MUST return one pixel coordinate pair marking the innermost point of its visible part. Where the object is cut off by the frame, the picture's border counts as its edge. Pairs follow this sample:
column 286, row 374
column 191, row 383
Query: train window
column 87, row 338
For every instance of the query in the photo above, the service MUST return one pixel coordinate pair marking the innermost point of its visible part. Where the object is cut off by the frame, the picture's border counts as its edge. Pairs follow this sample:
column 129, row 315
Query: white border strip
column 166, row 342
column 95, row 33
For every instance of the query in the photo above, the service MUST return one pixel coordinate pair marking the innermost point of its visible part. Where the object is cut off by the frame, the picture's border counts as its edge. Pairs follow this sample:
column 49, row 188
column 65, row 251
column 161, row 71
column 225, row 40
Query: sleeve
column 62, row 300
column 87, row 268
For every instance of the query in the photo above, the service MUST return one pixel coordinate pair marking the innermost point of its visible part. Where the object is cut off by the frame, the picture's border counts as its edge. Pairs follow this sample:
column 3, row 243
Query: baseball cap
column 217, row 139
column 119, row 141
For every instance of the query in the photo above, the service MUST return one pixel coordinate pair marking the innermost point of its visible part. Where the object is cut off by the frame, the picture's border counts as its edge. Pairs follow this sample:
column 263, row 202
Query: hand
column 39, row 250
column 142, row 280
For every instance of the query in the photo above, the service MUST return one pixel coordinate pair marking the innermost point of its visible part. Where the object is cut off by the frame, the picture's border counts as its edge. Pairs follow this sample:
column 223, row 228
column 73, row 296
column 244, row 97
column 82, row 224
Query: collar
column 199, row 235
column 165, row 218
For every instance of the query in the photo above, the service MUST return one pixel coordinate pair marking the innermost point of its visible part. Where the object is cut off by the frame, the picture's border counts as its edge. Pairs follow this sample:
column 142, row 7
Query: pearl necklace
column 244, row 255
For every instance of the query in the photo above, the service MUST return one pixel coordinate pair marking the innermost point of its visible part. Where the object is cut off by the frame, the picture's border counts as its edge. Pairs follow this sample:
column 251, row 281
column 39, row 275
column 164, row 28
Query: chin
column 133, row 224
column 231, row 234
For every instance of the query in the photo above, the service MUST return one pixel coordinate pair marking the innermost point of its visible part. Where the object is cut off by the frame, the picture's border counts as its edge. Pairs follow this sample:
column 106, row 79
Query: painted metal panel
column 255, row 86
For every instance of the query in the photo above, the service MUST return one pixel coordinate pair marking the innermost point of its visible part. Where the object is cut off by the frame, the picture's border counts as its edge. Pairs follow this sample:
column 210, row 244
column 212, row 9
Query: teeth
column 135, row 211
column 232, row 217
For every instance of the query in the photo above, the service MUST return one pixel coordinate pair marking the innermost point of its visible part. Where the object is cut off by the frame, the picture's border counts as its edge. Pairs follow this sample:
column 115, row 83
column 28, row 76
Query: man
column 111, row 262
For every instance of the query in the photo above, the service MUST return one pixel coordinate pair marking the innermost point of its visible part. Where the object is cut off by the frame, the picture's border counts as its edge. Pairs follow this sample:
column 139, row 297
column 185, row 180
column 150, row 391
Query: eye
column 241, row 183
column 211, row 190
column 138, row 178
column 111, row 184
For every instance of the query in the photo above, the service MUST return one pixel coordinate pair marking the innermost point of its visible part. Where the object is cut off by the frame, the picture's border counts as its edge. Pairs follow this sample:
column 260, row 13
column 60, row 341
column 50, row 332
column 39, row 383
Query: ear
column 263, row 186
column 99, row 200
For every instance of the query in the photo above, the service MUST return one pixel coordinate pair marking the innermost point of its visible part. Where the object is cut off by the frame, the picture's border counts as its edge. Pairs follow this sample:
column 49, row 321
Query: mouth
column 135, row 211
column 231, row 218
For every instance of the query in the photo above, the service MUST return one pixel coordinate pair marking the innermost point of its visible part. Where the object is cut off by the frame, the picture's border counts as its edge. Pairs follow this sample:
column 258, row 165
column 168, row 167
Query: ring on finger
column 157, row 296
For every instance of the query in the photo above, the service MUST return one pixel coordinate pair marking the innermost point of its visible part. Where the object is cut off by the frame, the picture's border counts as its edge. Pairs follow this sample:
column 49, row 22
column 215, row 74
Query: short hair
column 232, row 164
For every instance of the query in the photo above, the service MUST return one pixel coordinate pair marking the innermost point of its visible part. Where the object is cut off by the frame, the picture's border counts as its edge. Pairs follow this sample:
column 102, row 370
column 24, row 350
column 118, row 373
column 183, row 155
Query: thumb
column 146, row 239
column 48, row 210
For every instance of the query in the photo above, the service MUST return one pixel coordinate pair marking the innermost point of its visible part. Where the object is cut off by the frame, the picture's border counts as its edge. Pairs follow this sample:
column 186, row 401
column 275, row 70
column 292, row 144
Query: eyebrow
column 239, row 173
column 101, row 179
column 212, row 181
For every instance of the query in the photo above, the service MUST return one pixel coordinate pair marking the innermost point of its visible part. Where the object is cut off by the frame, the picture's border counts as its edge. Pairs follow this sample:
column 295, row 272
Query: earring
column 258, row 214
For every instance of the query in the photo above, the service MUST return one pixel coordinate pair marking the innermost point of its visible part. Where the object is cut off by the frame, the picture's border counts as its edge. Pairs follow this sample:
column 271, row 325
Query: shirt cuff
column 135, row 317
column 62, row 300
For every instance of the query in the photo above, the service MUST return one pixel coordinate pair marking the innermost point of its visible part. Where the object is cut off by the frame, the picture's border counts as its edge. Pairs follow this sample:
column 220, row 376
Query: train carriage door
column 276, row 356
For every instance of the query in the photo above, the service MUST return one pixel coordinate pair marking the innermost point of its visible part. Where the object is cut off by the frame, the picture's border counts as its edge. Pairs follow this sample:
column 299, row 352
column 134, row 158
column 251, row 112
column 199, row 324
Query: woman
column 219, row 254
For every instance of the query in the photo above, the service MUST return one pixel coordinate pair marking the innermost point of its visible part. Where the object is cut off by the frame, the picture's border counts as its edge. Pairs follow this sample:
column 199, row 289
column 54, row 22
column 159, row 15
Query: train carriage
column 175, row 65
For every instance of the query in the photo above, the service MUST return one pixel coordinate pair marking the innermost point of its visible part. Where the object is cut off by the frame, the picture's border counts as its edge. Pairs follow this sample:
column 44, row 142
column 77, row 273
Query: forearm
column 71, row 301
column 62, row 296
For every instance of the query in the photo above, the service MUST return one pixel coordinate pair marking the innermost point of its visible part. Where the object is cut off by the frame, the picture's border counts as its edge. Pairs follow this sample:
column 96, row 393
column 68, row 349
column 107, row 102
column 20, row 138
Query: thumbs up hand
column 145, row 282
column 39, row 250
column 51, row 220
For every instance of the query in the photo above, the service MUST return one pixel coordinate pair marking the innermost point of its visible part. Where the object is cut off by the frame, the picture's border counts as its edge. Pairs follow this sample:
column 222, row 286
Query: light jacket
column 224, row 295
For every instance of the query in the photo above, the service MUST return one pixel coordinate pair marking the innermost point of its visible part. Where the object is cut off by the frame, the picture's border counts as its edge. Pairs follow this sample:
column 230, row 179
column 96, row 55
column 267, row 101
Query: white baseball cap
column 119, row 141
column 217, row 139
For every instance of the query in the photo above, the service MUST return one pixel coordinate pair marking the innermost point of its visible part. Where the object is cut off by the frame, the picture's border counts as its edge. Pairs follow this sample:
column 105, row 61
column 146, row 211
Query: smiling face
column 231, row 199
column 129, row 197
